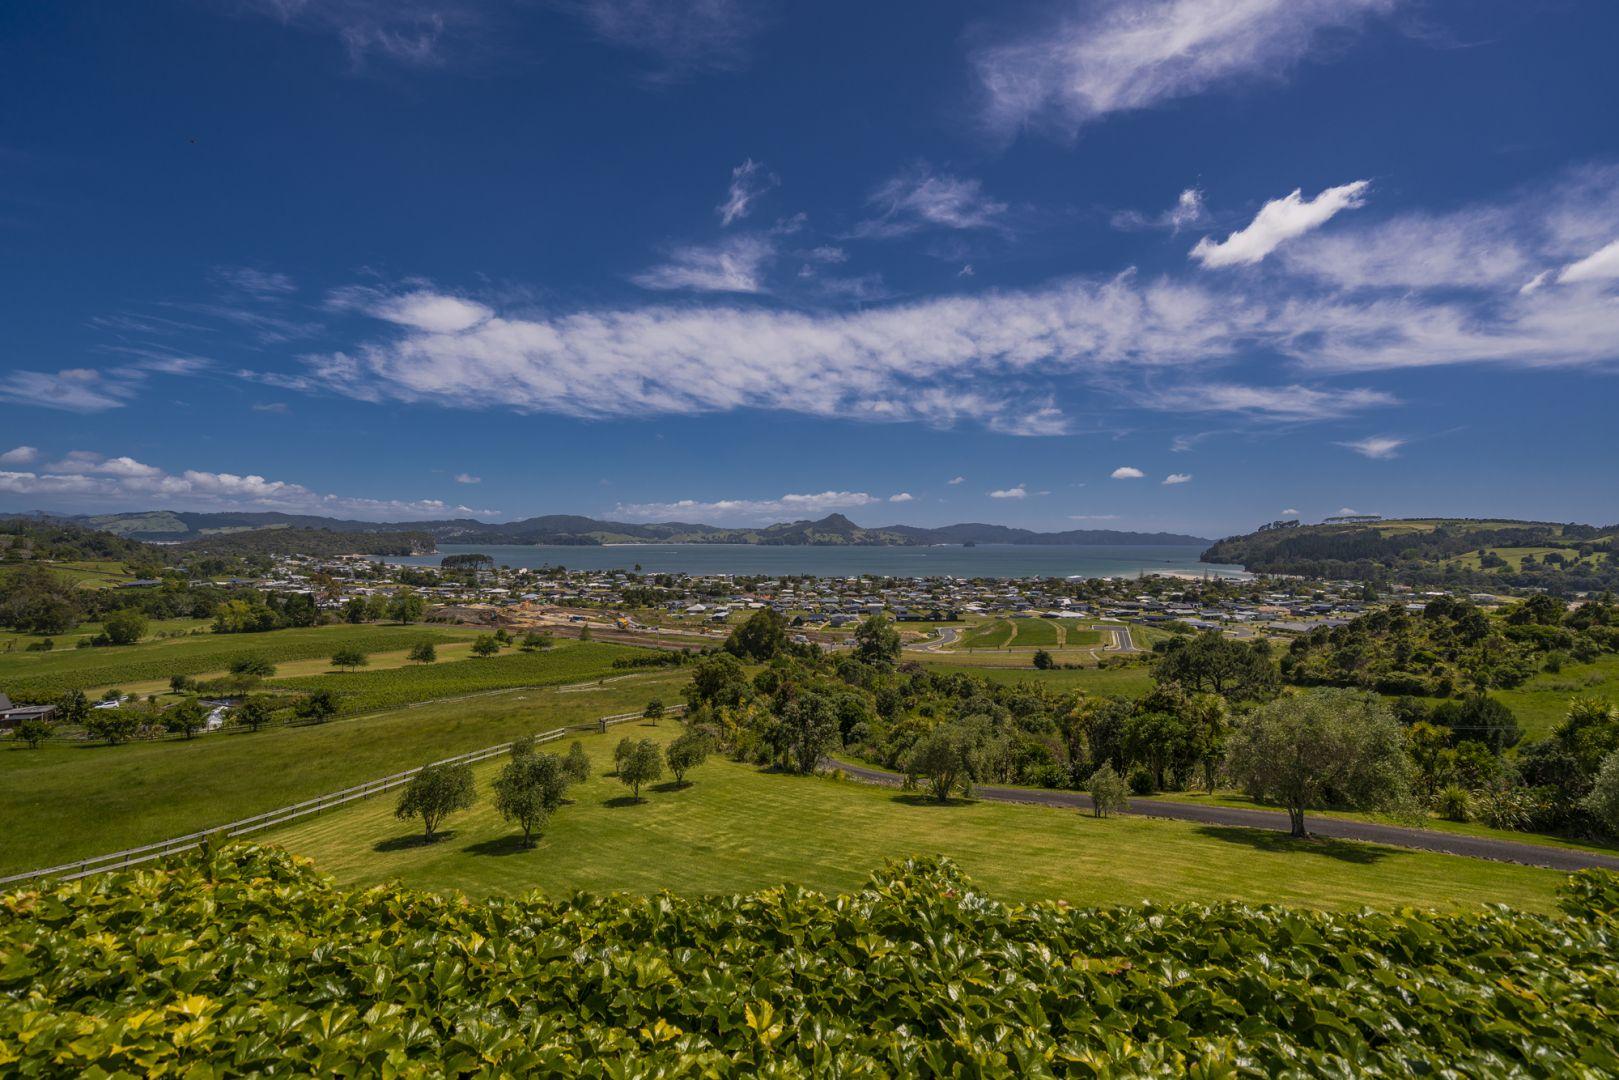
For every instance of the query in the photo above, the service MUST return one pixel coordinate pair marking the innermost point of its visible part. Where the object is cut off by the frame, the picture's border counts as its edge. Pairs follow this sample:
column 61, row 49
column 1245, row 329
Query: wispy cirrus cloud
column 923, row 198
column 681, row 37
column 1376, row 447
column 1277, row 222
column 1188, row 212
column 749, row 180
column 782, row 507
column 91, row 390
column 86, row 478
column 735, row 265
column 415, row 33
column 1177, row 478
column 1125, row 55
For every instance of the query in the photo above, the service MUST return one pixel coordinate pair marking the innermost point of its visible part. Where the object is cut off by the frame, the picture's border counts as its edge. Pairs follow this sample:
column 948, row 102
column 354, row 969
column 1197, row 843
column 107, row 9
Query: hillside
column 1460, row 552
column 299, row 541
column 834, row 529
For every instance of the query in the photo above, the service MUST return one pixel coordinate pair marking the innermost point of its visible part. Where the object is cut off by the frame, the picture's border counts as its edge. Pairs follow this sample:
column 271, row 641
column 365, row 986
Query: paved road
column 947, row 637
column 1478, row 847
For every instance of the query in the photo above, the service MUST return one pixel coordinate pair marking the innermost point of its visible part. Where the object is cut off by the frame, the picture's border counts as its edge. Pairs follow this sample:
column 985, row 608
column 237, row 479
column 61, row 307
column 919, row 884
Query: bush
column 1454, row 803
column 251, row 962
column 1141, row 782
column 1107, row 791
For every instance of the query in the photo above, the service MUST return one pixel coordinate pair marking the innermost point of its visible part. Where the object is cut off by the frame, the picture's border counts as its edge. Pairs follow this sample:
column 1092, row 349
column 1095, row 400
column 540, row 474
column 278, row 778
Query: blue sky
column 1175, row 264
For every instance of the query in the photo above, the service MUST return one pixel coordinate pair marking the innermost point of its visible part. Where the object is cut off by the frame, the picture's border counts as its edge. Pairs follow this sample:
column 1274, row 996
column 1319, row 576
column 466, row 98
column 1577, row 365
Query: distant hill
column 298, row 541
column 1465, row 552
column 834, row 529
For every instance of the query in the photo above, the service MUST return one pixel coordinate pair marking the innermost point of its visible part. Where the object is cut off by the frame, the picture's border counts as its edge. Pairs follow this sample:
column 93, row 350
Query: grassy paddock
column 738, row 828
column 25, row 674
column 72, row 800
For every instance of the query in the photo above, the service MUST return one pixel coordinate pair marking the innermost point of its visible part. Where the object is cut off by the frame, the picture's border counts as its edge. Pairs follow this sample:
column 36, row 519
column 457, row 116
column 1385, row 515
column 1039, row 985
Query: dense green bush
column 247, row 961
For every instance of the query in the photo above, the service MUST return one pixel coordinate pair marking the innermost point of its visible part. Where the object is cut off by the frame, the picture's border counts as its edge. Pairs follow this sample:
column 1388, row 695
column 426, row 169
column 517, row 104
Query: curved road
column 1478, row 847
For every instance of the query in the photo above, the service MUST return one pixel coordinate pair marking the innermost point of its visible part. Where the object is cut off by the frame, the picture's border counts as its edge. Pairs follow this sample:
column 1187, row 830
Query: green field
column 1037, row 633
column 73, row 800
column 26, row 675
column 737, row 827
column 1077, row 634
column 990, row 635
column 1541, row 703
column 1132, row 681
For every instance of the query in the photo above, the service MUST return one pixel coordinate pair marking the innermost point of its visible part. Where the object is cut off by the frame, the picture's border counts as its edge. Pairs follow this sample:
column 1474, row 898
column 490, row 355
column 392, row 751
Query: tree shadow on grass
column 920, row 799
column 412, row 840
column 500, row 845
column 622, row 800
column 1282, row 843
column 671, row 785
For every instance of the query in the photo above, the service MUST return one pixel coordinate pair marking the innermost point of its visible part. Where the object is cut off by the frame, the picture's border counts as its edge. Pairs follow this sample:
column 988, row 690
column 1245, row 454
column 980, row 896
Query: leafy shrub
column 250, row 962
column 1454, row 803
column 1141, row 782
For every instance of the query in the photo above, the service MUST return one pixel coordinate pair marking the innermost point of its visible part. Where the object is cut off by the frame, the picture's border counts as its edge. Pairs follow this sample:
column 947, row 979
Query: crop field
column 73, row 800
column 737, row 827
column 12, row 642
column 567, row 661
column 26, row 675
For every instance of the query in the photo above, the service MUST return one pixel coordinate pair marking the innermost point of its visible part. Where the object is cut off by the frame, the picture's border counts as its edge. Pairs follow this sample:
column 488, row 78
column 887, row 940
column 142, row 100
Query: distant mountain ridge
column 832, row 530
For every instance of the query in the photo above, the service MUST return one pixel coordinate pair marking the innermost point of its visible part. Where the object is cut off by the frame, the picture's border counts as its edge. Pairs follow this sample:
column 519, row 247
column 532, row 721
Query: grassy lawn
column 1035, row 633
column 1438, row 824
column 72, row 800
column 1078, row 633
column 50, row 674
column 738, row 828
column 991, row 635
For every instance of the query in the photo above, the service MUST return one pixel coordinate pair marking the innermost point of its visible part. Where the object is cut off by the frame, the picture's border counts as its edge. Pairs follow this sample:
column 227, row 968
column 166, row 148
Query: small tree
column 34, row 731
column 1602, row 803
column 1321, row 745
column 523, row 746
column 125, row 627
column 1043, row 660
column 113, row 725
column 642, row 765
column 485, row 645
column 181, row 684
column 252, row 664
column 1109, row 793
column 317, row 708
column 253, row 713
column 944, row 757
column 808, row 730
column 584, row 631
column 423, row 652
column 653, row 710
column 434, row 793
column 686, row 753
column 349, row 659
column 621, row 752
column 877, row 642
column 529, row 789
column 187, row 718
column 406, row 606
column 577, row 763
column 72, row 707
column 536, row 639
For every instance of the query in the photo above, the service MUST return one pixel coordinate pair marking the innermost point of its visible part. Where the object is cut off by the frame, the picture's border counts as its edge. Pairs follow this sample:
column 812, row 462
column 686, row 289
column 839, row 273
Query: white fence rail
column 119, row 860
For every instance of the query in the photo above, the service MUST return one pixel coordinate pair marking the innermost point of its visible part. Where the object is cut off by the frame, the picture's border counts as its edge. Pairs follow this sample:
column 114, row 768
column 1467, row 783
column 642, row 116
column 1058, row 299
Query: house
column 12, row 715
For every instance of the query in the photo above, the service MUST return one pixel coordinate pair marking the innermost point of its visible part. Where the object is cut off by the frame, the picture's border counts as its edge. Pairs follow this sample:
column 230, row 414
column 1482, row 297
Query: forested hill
column 834, row 529
column 1465, row 552
column 318, row 542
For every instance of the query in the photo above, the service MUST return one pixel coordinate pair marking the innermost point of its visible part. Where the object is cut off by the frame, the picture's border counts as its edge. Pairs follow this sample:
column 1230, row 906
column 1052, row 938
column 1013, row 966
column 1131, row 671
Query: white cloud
column 1187, row 212
column 954, row 480
column 85, row 478
column 785, row 507
column 826, row 254
column 410, row 32
column 1278, row 221
column 901, row 497
column 21, row 455
column 1281, row 403
column 921, row 198
column 1127, row 472
column 1290, row 512
column 1136, row 54
column 749, row 180
column 1345, row 511
column 735, row 265
column 1178, row 478
column 1600, row 265
column 1093, row 517
column 467, row 478
column 1376, row 447
column 682, row 36
column 1019, row 492
column 258, row 284
column 270, row 407
column 90, row 390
